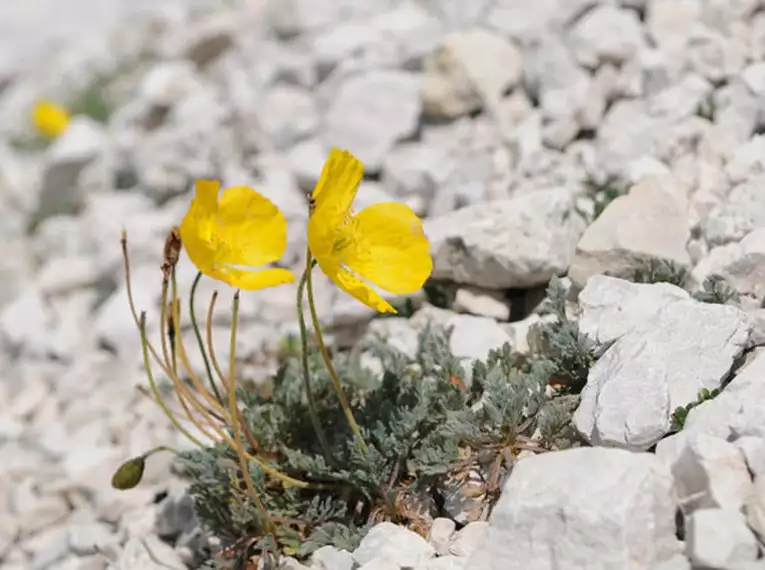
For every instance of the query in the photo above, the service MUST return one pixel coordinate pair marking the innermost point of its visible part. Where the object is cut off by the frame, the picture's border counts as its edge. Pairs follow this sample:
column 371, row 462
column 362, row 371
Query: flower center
column 341, row 243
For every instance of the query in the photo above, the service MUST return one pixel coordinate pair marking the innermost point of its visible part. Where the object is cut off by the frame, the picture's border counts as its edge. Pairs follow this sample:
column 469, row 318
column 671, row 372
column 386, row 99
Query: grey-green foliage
column 715, row 289
column 707, row 109
column 603, row 192
column 661, row 271
column 420, row 422
column 560, row 343
column 681, row 412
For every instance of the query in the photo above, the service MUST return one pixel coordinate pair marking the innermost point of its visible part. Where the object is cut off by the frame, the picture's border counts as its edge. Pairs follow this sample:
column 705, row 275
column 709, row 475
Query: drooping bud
column 129, row 473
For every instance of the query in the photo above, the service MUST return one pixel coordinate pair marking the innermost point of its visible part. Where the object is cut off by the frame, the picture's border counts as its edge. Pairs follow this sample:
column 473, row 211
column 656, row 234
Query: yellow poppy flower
column 227, row 239
column 382, row 245
column 49, row 118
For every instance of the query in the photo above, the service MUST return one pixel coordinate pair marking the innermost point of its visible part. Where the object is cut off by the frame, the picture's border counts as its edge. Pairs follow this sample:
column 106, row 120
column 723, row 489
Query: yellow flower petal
column 251, row 227
column 226, row 240
column 206, row 197
column 388, row 248
column 253, row 280
column 198, row 225
column 355, row 287
column 49, row 118
column 336, row 188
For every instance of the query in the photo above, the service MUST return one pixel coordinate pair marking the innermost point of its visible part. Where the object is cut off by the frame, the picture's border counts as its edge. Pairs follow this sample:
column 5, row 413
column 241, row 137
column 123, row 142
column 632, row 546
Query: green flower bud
column 130, row 473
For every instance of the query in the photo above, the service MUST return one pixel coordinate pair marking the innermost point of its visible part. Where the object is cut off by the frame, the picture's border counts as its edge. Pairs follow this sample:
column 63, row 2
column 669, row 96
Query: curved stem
column 306, row 373
column 198, row 334
column 237, row 432
column 328, row 361
column 286, row 480
column 155, row 390
column 210, row 346
column 131, row 303
column 172, row 373
column 159, row 448
column 217, row 408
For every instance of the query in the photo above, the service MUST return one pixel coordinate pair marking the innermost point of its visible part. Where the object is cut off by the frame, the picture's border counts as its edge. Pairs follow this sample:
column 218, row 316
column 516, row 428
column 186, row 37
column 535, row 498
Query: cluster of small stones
column 501, row 122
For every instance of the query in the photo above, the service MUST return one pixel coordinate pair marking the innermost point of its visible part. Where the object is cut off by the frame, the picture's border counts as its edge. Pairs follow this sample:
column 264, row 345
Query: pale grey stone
column 467, row 68
column 163, row 86
column 444, row 563
column 635, row 386
column 607, row 34
column 399, row 545
column 16, row 268
column 679, row 562
column 745, row 160
column 664, row 125
column 61, row 275
column 293, row 17
column 714, row 55
column 93, row 538
column 551, row 71
column 148, row 553
column 47, row 548
column 305, row 160
column 499, row 245
column 741, row 264
column 347, row 40
column 482, row 302
column 611, row 506
column 473, row 337
column 648, row 223
column 469, row 538
column 740, row 213
column 669, row 24
column 719, row 538
column 10, row 528
column 205, row 39
column 736, row 412
column 25, row 322
column 611, row 307
column 755, row 506
column 529, row 21
column 331, row 558
column 380, row 564
column 753, row 449
column 94, row 562
column 368, row 125
column 440, row 535
column 710, row 472
column 83, row 141
column 413, row 168
column 737, row 116
column 287, row 115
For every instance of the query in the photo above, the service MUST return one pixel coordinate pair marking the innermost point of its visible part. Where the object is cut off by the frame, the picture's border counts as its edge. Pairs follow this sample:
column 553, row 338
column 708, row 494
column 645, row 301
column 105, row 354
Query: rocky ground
column 509, row 125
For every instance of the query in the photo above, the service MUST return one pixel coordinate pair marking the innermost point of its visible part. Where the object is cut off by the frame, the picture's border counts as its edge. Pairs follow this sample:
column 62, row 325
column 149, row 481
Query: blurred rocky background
column 537, row 138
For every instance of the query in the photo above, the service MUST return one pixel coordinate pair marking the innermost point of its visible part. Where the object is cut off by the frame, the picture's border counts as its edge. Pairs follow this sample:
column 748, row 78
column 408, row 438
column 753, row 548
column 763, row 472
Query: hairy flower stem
column 328, row 361
column 306, row 373
column 237, row 432
column 198, row 334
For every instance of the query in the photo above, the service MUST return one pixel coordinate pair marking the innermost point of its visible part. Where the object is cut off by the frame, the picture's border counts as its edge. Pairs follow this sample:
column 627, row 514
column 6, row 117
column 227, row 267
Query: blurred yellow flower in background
column 382, row 245
column 49, row 118
column 228, row 239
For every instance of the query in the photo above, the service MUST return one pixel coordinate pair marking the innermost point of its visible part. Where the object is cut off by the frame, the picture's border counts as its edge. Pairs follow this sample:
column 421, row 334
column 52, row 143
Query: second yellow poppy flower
column 228, row 239
column 382, row 245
